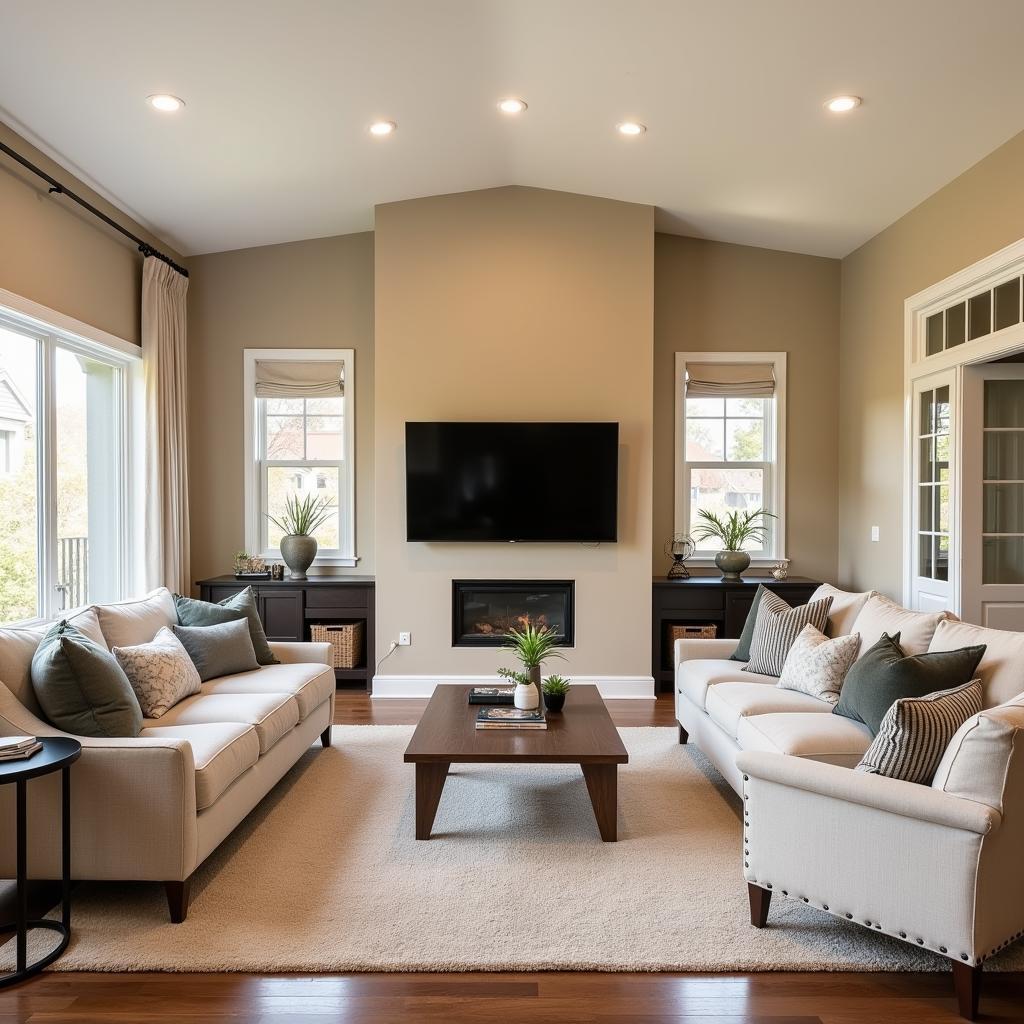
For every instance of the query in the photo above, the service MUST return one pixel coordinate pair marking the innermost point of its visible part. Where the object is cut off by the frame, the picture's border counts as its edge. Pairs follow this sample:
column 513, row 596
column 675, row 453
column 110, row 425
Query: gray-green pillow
column 742, row 652
column 884, row 675
column 241, row 605
column 219, row 650
column 81, row 687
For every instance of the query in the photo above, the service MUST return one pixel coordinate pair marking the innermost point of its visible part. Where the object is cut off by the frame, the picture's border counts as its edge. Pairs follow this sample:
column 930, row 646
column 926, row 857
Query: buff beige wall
column 56, row 254
column 717, row 297
column 311, row 294
column 974, row 215
column 515, row 304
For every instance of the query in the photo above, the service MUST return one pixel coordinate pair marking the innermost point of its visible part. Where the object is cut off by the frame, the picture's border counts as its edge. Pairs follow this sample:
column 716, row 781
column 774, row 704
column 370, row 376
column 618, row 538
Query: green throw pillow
column 81, row 687
column 742, row 652
column 884, row 675
column 220, row 650
column 239, row 606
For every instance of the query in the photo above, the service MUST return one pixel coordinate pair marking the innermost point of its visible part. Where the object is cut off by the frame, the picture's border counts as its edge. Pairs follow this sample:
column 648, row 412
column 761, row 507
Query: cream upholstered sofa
column 153, row 808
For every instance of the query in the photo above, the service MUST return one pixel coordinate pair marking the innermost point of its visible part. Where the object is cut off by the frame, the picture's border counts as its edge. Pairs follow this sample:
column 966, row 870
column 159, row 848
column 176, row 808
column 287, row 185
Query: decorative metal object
column 680, row 547
column 277, row 571
column 781, row 569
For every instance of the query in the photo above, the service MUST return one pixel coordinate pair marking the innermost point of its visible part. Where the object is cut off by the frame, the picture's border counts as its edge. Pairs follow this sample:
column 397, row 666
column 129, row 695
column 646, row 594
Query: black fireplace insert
column 483, row 611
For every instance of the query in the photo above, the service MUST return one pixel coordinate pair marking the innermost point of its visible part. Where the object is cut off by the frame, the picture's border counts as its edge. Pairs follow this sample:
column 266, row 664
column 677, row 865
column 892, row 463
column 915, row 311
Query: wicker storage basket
column 692, row 633
column 345, row 638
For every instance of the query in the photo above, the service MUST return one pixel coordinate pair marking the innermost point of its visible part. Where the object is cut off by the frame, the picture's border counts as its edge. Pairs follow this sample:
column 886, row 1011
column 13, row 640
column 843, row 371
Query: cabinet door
column 282, row 614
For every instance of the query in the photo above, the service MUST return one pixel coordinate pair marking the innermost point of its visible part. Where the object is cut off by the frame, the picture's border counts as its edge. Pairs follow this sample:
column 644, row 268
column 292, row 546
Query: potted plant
column 555, row 689
column 532, row 645
column 733, row 531
column 300, row 520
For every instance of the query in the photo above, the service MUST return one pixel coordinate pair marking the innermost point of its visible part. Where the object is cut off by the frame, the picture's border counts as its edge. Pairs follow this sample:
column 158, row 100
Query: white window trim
column 253, row 482
column 775, row 493
column 55, row 328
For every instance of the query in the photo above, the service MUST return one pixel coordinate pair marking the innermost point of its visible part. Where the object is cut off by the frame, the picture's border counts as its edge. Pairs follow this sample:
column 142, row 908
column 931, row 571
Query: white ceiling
column 272, row 145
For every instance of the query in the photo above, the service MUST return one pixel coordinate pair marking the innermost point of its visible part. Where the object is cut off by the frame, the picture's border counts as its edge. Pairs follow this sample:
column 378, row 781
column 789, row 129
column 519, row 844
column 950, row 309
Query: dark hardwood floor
column 565, row 998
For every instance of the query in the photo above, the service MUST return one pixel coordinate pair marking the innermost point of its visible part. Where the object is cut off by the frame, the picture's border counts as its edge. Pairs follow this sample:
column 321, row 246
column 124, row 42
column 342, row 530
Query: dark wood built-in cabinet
column 288, row 608
column 710, row 601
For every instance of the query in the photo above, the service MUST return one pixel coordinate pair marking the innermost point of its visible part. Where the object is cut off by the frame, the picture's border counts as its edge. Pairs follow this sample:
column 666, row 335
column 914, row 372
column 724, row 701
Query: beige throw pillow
column 161, row 672
column 817, row 665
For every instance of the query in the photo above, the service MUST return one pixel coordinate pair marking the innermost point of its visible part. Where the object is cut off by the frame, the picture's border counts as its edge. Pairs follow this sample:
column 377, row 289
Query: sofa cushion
column 221, row 753
column 238, row 606
column 309, row 684
column 846, row 606
column 1001, row 669
column 827, row 738
column 161, row 672
column 219, row 650
column 880, row 615
column 694, row 677
column 727, row 703
column 129, row 623
column 977, row 760
column 273, row 715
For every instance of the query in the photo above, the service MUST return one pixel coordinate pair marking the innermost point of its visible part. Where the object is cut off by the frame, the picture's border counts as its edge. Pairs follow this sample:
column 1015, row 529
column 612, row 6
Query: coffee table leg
column 430, row 778
column 602, row 784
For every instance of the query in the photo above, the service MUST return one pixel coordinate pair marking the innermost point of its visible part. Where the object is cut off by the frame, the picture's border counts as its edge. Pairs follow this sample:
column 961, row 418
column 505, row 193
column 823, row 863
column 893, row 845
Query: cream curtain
column 730, row 380
column 163, row 355
column 297, row 379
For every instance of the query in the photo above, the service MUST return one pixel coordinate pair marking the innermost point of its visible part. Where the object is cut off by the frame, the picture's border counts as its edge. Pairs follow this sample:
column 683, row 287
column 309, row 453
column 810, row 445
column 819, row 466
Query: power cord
column 391, row 650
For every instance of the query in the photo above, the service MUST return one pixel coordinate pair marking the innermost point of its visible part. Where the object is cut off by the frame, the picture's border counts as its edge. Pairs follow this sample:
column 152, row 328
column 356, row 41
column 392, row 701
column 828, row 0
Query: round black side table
column 58, row 754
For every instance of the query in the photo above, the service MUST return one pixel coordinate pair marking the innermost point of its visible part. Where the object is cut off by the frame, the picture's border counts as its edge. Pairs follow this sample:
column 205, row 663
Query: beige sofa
column 155, row 807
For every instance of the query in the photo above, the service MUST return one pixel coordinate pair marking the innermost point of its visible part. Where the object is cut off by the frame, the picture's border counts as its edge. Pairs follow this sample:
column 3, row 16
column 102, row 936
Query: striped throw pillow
column 916, row 731
column 776, row 629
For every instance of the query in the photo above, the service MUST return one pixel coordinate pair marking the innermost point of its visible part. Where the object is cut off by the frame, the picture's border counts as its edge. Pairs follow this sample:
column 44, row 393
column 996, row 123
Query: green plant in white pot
column 532, row 645
column 301, row 518
column 733, row 530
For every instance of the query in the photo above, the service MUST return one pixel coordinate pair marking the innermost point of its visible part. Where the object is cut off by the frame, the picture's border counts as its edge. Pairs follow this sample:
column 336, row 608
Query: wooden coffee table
column 582, row 734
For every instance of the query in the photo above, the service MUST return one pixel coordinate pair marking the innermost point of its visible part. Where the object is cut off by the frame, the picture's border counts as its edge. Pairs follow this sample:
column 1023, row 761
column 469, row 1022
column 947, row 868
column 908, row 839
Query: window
column 299, row 442
column 65, row 450
column 730, row 443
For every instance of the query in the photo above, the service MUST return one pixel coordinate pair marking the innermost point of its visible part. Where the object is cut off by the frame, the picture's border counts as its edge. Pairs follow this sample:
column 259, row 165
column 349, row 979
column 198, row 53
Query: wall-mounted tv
column 555, row 482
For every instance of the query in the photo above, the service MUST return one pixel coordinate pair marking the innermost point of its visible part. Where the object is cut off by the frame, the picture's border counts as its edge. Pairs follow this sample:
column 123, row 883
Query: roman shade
column 300, row 378
column 730, row 380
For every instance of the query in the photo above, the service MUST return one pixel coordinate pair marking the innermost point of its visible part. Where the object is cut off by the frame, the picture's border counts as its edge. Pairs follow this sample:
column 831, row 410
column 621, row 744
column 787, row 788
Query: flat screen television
column 512, row 481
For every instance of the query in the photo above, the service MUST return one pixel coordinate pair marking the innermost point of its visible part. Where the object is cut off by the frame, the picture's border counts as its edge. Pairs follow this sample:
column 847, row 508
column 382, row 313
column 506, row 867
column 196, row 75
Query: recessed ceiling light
column 512, row 106
column 165, row 102
column 630, row 128
column 382, row 127
column 841, row 104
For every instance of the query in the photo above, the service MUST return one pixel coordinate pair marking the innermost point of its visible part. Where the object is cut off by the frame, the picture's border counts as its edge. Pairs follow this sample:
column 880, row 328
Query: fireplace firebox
column 483, row 611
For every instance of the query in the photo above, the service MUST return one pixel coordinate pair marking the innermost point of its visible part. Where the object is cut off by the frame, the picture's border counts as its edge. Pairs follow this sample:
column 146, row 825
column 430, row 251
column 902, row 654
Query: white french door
column 993, row 495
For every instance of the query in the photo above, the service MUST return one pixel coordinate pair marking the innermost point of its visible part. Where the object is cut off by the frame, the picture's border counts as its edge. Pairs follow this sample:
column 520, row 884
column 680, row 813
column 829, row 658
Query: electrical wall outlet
column 404, row 639
column 875, row 534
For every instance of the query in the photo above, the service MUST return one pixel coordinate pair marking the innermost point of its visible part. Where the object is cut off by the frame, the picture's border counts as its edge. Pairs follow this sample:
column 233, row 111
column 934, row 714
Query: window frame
column 255, row 481
column 775, row 445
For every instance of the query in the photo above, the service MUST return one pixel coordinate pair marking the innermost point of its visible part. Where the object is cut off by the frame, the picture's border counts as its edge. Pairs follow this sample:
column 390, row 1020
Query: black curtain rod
column 55, row 186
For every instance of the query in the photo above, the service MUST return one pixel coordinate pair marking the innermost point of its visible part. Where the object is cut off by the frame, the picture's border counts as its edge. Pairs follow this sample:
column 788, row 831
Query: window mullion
column 46, row 448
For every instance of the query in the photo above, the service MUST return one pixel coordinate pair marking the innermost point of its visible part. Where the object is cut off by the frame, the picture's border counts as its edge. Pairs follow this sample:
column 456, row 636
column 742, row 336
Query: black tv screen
column 512, row 481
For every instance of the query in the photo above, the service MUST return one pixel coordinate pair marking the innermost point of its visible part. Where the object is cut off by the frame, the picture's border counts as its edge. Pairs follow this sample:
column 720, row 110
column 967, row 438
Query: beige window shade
column 730, row 380
column 299, row 379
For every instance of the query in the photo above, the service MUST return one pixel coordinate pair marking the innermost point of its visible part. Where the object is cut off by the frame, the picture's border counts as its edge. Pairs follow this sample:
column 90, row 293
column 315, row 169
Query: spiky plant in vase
column 734, row 530
column 301, row 518
column 532, row 645
column 555, row 690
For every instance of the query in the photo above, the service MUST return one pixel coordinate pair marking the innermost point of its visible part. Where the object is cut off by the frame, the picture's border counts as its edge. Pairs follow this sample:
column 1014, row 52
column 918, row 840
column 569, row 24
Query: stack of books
column 491, row 695
column 510, row 718
column 17, row 748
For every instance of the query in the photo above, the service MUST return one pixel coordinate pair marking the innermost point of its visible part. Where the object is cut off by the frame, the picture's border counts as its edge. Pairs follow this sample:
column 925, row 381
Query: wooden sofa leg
column 967, row 981
column 325, row 737
column 178, row 894
column 760, row 901
column 683, row 735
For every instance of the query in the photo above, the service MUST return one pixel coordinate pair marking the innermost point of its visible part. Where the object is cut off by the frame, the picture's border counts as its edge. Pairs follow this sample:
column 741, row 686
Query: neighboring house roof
column 13, row 405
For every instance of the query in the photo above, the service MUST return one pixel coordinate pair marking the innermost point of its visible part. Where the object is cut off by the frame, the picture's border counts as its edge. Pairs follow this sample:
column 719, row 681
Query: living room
column 658, row 366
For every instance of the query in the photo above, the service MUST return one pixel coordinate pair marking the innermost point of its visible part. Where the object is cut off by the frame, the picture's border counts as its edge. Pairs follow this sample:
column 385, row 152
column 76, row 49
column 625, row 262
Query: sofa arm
column 700, row 650
column 291, row 653
column 908, row 799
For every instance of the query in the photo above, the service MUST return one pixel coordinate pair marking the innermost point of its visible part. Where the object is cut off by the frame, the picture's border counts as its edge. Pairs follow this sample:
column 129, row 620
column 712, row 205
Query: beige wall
column 57, row 254
column 520, row 304
column 973, row 216
column 314, row 294
column 717, row 297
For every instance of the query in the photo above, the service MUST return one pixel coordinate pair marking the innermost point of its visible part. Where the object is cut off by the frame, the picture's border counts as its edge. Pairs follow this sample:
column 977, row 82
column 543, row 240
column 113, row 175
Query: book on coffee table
column 510, row 718
column 491, row 695
column 17, row 748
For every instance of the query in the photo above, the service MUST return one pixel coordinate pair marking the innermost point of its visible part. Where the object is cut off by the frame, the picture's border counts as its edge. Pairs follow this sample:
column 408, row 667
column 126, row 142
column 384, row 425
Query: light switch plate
column 875, row 534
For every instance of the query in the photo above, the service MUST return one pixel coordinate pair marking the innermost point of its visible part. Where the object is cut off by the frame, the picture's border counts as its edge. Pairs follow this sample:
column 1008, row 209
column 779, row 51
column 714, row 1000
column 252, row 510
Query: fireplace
column 483, row 611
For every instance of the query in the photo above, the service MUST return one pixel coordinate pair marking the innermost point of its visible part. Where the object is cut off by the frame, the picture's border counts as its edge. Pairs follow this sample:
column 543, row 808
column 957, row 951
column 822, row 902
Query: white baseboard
column 610, row 687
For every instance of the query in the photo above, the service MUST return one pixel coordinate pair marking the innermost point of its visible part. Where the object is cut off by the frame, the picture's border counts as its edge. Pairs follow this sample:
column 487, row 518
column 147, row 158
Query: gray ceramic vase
column 732, row 563
column 298, row 554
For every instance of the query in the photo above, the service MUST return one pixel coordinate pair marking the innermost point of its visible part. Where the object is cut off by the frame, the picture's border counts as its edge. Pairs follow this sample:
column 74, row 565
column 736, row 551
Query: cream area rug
column 326, row 876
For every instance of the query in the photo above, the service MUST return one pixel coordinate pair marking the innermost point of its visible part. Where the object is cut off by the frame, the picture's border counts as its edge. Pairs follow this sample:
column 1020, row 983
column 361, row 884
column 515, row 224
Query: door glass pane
column 942, row 508
column 934, row 334
column 722, row 491
column 299, row 481
column 942, row 457
column 19, row 509
column 925, row 507
column 942, row 557
column 1007, row 304
column 927, row 459
column 925, row 565
column 942, row 410
column 88, row 486
column 1004, row 403
column 1003, row 508
column 927, row 413
column 1004, row 455
column 1002, row 560
column 956, row 325
column 980, row 315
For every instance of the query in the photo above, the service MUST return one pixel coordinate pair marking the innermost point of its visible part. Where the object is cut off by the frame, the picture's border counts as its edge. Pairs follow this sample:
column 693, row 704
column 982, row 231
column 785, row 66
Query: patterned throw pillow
column 916, row 731
column 161, row 672
column 817, row 665
column 777, row 628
